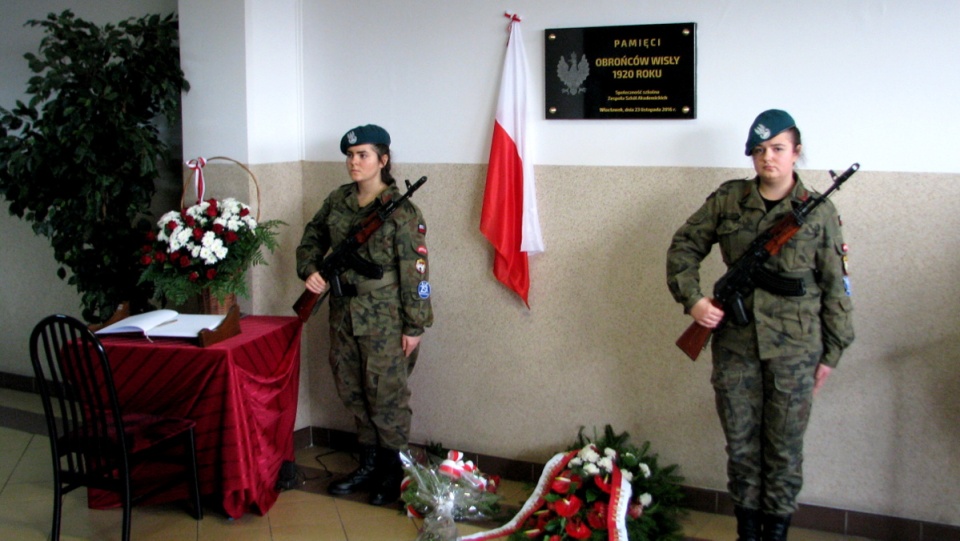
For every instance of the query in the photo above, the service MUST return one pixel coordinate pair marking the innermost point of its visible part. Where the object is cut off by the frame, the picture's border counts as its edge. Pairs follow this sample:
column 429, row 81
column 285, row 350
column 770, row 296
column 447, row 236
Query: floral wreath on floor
column 601, row 489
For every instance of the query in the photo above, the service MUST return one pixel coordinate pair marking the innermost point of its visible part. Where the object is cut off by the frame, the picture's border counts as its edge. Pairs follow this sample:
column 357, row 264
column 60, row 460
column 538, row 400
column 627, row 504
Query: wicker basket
column 209, row 303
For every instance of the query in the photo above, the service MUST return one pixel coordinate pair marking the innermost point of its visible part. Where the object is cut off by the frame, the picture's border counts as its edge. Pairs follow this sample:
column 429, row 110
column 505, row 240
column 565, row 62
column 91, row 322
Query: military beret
column 769, row 123
column 371, row 133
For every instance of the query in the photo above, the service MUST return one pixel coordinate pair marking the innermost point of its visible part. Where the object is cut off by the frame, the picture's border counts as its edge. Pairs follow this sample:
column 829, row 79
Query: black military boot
column 389, row 475
column 775, row 527
column 748, row 523
column 362, row 478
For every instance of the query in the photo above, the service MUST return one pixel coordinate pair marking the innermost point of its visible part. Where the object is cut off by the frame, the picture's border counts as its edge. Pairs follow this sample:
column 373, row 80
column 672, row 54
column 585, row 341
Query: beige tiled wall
column 596, row 346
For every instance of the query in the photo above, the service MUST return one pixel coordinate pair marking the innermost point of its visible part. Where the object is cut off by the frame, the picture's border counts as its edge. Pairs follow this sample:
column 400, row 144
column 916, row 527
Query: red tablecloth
column 241, row 392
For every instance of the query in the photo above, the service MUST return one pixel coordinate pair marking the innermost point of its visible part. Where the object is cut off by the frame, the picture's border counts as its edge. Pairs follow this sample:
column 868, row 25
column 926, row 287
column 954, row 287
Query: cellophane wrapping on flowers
column 443, row 492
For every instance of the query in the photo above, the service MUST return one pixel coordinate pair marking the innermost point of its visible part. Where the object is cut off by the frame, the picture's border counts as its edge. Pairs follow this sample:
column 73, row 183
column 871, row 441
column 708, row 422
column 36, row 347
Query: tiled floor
column 26, row 503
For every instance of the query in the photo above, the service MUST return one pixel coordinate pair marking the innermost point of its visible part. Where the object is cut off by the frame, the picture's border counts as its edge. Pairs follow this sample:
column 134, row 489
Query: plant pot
column 211, row 305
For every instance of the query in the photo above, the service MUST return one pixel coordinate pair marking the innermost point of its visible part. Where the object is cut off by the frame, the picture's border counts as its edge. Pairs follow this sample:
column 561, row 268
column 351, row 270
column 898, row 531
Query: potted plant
column 80, row 158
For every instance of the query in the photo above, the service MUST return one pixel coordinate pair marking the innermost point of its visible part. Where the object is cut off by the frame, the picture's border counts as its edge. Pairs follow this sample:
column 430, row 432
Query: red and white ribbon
column 620, row 493
column 198, row 184
column 533, row 503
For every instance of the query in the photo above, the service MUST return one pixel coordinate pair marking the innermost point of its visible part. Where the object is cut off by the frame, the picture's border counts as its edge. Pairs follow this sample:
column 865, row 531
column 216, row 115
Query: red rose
column 212, row 209
column 197, row 233
column 160, row 257
column 146, row 260
column 218, row 228
column 184, row 261
column 193, row 276
column 230, row 237
column 244, row 212
column 577, row 529
column 171, row 225
column 146, row 248
column 211, row 273
column 151, row 236
column 189, row 221
column 635, row 510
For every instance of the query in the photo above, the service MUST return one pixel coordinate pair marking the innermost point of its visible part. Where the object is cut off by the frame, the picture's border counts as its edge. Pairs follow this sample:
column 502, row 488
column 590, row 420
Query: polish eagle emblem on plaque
column 573, row 74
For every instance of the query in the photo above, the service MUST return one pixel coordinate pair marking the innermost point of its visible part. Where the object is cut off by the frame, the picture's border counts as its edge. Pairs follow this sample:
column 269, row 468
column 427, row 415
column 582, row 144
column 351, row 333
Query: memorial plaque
column 640, row 71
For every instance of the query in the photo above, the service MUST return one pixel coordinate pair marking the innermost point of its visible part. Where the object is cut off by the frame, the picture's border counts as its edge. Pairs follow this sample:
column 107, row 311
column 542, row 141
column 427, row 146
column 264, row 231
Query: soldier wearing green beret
column 765, row 373
column 374, row 334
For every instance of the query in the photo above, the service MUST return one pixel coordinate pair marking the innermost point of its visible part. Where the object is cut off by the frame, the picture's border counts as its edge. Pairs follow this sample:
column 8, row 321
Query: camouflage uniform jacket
column 733, row 216
column 398, row 245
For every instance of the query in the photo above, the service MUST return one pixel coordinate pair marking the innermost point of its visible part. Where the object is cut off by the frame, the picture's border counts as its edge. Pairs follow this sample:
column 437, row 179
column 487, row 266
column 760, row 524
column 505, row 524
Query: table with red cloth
column 241, row 392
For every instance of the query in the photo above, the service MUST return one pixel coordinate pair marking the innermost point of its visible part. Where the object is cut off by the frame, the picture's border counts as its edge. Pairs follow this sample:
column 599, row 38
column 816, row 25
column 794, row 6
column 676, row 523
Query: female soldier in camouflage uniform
column 375, row 331
column 765, row 373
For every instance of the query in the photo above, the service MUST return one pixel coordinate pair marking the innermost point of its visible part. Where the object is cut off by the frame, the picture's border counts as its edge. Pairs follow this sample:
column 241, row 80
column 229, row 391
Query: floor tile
column 304, row 514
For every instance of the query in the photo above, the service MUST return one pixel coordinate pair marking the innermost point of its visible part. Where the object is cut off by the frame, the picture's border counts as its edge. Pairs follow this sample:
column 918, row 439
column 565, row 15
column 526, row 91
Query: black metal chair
column 93, row 442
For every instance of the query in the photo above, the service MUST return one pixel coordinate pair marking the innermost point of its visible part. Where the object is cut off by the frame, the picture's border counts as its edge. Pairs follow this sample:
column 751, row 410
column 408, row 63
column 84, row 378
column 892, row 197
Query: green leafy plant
column 207, row 246
column 579, row 498
column 80, row 158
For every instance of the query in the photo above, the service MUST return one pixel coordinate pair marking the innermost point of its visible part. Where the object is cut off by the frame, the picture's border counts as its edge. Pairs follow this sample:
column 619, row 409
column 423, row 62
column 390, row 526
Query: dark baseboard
column 813, row 517
column 17, row 382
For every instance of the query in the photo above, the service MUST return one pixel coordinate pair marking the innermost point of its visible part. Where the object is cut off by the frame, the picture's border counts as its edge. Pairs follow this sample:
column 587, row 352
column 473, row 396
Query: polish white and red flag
column 509, row 217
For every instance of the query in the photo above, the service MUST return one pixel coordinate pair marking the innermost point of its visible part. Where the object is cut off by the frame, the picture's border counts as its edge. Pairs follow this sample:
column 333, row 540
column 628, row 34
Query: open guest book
column 209, row 329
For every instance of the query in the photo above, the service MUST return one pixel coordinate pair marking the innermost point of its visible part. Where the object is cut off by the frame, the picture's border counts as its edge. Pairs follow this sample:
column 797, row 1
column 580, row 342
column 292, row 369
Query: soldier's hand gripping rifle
column 747, row 272
column 344, row 255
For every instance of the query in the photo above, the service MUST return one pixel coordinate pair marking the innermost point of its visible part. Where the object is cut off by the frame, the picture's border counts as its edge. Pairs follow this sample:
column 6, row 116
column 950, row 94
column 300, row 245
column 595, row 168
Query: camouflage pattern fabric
column 764, row 407
column 399, row 244
column 365, row 331
column 732, row 217
column 371, row 376
column 763, row 372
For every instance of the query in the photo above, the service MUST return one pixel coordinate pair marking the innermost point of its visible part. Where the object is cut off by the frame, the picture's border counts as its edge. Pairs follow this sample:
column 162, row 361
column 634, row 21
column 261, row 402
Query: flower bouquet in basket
column 208, row 246
column 442, row 492
column 601, row 489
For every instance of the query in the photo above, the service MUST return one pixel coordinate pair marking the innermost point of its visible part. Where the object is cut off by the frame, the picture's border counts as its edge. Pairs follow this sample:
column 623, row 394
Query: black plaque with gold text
column 640, row 71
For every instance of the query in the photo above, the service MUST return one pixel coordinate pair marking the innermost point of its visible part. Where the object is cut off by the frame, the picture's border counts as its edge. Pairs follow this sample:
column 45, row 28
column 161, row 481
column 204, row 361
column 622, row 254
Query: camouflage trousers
column 764, row 407
column 371, row 377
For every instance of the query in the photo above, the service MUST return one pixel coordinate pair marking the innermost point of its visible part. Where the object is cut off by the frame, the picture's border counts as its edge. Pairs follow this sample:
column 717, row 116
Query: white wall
column 872, row 81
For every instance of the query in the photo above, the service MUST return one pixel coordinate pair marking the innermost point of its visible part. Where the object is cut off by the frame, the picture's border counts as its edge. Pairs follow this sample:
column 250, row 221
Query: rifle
column 344, row 256
column 747, row 272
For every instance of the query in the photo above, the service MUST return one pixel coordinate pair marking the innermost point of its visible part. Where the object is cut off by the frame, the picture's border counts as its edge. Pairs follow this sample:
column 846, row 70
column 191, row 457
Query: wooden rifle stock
column 694, row 339
column 305, row 304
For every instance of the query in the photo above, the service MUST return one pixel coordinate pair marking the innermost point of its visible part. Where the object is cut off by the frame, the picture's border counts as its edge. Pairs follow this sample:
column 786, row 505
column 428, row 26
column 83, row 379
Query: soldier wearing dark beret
column 765, row 373
column 375, row 333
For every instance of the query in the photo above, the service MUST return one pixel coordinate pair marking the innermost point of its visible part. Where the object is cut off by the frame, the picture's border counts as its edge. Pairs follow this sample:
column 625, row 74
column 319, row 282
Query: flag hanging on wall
column 509, row 217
